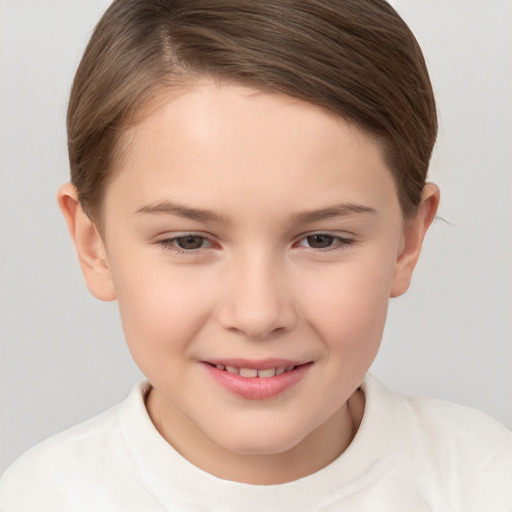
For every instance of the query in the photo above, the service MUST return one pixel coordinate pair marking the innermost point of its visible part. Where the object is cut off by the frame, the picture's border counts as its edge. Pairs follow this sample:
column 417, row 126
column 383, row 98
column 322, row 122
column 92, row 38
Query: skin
column 259, row 285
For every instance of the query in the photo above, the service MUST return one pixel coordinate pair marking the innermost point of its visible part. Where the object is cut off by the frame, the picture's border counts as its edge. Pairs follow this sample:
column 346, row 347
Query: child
column 249, row 183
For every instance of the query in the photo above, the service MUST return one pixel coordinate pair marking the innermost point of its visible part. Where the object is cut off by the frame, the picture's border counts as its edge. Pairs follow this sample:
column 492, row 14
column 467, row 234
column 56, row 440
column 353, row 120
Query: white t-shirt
column 410, row 454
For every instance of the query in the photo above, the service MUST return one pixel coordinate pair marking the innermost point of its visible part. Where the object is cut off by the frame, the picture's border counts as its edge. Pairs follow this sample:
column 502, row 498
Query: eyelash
column 339, row 242
column 171, row 243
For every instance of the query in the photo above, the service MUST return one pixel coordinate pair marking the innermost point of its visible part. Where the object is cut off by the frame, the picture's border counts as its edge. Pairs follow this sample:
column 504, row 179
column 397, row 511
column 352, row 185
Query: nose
column 257, row 299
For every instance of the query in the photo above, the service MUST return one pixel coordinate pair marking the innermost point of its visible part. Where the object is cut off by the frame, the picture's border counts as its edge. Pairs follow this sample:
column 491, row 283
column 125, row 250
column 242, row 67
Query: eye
column 324, row 241
column 190, row 242
column 320, row 241
column 187, row 243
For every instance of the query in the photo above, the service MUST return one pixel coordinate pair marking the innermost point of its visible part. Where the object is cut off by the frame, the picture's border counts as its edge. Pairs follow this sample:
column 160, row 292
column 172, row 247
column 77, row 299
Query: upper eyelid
column 211, row 237
column 345, row 235
column 180, row 234
column 169, row 244
column 338, row 240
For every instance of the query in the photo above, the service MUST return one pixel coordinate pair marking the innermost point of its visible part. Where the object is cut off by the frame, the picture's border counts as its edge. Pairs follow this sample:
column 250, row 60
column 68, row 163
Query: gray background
column 62, row 354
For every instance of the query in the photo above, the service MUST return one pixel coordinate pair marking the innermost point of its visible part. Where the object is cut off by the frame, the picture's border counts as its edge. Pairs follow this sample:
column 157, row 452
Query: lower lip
column 256, row 388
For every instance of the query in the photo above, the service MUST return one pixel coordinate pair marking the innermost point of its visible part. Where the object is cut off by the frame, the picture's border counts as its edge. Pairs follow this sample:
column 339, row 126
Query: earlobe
column 414, row 233
column 89, row 245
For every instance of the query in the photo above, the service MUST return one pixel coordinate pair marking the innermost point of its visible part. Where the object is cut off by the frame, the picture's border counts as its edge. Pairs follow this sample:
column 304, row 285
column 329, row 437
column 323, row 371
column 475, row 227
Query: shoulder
column 75, row 459
column 470, row 450
column 440, row 419
column 69, row 444
column 466, row 429
column 455, row 448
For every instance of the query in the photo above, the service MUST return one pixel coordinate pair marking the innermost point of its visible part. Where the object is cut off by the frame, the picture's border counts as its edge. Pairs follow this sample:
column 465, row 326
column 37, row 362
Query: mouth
column 257, row 380
column 261, row 373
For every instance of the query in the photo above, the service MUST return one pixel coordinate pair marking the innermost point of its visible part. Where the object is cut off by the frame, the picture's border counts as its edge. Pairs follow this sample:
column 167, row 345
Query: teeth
column 248, row 372
column 252, row 372
column 265, row 374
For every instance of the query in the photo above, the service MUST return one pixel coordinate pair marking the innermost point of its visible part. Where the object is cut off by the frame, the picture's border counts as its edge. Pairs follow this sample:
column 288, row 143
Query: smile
column 253, row 372
column 256, row 381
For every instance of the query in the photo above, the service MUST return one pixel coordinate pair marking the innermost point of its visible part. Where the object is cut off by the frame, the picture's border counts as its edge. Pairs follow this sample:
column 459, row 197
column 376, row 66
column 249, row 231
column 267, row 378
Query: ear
column 89, row 245
column 414, row 233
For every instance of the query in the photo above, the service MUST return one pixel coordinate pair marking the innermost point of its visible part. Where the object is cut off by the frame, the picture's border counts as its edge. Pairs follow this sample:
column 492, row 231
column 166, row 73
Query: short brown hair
column 356, row 58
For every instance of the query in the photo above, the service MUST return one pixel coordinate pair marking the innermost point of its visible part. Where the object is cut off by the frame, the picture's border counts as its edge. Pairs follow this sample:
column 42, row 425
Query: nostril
column 256, row 309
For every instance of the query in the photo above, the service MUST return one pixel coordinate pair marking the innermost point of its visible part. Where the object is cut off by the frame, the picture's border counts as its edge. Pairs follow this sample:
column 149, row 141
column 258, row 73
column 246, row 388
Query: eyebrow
column 202, row 215
column 180, row 210
column 339, row 210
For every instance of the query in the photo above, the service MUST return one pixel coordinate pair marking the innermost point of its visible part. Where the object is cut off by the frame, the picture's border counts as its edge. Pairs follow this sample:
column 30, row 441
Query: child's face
column 252, row 230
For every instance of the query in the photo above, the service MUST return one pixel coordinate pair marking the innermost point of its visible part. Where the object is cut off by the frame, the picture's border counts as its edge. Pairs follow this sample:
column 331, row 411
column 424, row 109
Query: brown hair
column 357, row 58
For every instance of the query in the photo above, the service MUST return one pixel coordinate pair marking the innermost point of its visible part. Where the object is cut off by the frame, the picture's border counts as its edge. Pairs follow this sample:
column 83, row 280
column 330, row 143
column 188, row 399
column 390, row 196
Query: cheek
column 349, row 306
column 161, row 308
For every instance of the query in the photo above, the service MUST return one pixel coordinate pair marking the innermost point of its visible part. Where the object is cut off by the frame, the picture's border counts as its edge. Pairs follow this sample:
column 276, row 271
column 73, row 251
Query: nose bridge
column 256, row 299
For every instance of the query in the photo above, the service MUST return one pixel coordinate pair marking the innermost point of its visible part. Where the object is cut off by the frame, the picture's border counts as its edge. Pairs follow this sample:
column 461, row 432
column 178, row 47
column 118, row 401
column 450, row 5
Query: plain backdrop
column 62, row 353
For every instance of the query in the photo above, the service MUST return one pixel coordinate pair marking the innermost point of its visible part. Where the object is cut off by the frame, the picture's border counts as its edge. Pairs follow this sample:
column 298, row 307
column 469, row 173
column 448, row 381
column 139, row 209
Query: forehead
column 217, row 142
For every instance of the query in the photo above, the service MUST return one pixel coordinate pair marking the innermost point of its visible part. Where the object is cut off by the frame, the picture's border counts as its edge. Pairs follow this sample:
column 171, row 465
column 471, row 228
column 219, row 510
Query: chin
column 264, row 441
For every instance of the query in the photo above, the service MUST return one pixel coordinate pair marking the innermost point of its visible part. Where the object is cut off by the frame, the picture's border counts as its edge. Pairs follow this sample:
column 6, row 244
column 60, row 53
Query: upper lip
column 256, row 364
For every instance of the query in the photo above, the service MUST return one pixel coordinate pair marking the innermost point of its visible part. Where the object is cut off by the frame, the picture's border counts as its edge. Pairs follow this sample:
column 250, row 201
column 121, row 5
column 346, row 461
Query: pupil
column 190, row 242
column 320, row 241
